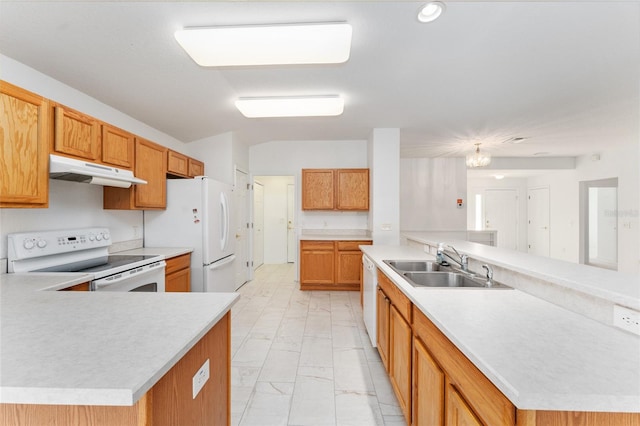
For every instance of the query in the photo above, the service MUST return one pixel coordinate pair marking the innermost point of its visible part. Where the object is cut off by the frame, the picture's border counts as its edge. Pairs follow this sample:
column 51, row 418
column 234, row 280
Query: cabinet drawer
column 177, row 263
column 485, row 399
column 316, row 245
column 402, row 302
column 351, row 245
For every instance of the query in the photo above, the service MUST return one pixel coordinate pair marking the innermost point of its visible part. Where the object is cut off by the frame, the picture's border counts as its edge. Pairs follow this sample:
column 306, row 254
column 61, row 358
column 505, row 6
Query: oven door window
column 147, row 288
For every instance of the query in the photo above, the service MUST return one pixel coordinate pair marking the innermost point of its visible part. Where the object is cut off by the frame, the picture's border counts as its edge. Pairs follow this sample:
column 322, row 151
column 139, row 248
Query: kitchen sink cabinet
column 150, row 165
column 178, row 274
column 470, row 398
column 383, row 312
column 331, row 265
column 400, row 338
column 76, row 134
column 428, row 387
column 335, row 189
column 169, row 402
column 24, row 143
column 117, row 147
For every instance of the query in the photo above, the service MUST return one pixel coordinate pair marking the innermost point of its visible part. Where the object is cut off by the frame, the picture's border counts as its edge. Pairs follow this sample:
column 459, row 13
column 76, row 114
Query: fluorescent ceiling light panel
column 310, row 106
column 322, row 43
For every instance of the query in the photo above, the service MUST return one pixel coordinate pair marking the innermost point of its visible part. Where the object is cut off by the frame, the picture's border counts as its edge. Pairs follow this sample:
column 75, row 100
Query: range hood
column 66, row 168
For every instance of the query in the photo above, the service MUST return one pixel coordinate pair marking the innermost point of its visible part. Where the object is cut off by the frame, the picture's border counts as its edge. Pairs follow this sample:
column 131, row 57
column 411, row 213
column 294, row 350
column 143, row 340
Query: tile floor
column 304, row 358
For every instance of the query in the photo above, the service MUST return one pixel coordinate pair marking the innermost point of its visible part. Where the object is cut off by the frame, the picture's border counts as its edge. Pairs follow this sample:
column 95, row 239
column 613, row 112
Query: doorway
column 538, row 241
column 501, row 214
column 276, row 212
column 241, row 198
column 258, row 224
column 599, row 223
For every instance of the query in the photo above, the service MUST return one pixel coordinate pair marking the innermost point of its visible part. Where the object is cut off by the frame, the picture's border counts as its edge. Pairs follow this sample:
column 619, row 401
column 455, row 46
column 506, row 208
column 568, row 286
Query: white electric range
column 85, row 250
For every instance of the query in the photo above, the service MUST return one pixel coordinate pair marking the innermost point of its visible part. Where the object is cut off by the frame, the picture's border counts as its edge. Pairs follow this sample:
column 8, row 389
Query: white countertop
column 542, row 357
column 614, row 286
column 335, row 235
column 94, row 348
column 166, row 252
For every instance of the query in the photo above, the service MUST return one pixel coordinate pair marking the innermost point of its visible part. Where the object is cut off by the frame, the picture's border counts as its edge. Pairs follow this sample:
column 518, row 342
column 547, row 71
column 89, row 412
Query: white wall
column 71, row 205
column 275, row 217
column 384, row 162
column 478, row 186
column 623, row 163
column 288, row 158
column 217, row 154
column 429, row 188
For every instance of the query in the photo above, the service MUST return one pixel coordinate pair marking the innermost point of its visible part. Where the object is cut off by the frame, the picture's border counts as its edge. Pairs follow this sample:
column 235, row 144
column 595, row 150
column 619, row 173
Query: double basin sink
column 424, row 273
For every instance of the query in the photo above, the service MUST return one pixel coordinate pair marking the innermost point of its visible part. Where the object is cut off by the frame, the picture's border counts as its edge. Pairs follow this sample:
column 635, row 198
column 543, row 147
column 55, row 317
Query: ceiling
column 564, row 75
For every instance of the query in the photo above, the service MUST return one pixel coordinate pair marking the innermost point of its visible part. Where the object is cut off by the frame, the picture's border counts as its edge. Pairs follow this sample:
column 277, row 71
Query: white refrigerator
column 199, row 216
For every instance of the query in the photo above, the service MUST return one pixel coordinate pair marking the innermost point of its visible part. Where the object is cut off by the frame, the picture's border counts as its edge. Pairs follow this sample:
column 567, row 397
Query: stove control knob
column 91, row 237
column 105, row 236
column 98, row 237
column 42, row 243
column 28, row 244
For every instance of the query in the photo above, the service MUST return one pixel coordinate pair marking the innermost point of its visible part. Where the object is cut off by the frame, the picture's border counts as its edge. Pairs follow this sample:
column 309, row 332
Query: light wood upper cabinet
column 24, row 148
column 117, row 147
column 177, row 164
column 335, row 189
column 196, row 167
column 76, row 134
column 352, row 189
column 150, row 165
column 318, row 189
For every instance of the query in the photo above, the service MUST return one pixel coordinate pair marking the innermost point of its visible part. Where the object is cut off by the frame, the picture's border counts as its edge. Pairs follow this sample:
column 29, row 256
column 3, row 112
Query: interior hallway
column 304, row 358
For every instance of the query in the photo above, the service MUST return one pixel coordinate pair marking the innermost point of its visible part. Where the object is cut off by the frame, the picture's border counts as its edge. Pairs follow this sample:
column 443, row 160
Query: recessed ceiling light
column 302, row 106
column 430, row 11
column 321, row 43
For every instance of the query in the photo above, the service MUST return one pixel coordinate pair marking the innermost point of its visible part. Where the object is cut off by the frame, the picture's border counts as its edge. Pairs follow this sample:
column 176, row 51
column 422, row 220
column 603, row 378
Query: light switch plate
column 200, row 378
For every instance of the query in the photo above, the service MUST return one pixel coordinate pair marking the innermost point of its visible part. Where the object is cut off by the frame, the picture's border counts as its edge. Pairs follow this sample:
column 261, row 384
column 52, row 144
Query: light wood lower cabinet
column 77, row 287
column 383, row 313
column 428, row 387
column 24, row 147
column 458, row 411
column 169, row 402
column 331, row 265
column 178, row 274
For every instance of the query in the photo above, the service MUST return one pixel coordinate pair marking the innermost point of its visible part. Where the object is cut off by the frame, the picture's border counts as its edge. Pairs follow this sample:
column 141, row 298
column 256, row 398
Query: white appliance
column 85, row 250
column 66, row 168
column 369, row 292
column 198, row 216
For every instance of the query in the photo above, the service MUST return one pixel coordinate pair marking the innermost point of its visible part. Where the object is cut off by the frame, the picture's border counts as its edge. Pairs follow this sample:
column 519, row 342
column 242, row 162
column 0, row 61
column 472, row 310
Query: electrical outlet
column 200, row 378
column 626, row 319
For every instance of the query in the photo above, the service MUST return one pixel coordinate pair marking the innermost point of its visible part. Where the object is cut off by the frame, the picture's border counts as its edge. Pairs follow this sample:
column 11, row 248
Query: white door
column 501, row 214
column 538, row 221
column 258, row 224
column 291, row 232
column 242, row 227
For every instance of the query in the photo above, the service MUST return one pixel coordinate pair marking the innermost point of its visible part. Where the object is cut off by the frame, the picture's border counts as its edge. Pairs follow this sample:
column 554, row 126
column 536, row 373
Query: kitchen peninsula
column 502, row 356
column 111, row 358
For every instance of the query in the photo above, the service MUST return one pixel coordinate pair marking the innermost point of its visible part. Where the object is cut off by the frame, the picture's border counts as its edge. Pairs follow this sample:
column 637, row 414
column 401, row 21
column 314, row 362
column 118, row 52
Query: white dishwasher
column 369, row 291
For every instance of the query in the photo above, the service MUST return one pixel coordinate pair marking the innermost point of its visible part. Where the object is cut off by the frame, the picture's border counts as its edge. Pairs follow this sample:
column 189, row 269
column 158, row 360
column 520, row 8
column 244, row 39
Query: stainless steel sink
column 447, row 279
column 412, row 265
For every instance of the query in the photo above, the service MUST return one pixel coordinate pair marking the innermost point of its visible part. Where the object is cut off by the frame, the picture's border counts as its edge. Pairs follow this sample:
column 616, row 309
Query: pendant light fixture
column 477, row 159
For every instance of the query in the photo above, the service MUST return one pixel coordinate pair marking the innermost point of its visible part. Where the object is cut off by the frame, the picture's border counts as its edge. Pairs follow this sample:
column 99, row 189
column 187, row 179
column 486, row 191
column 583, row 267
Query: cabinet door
column 177, row 164
column 179, row 281
column 458, row 411
column 117, row 147
column 352, row 189
column 317, row 266
column 400, row 360
column 318, row 189
column 151, row 165
column 348, row 265
column 76, row 134
column 24, row 144
column 383, row 309
column 196, row 168
column 428, row 387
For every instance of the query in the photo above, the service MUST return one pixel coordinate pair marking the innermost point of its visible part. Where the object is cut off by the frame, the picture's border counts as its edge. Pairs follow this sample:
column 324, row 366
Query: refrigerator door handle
column 226, row 261
column 224, row 221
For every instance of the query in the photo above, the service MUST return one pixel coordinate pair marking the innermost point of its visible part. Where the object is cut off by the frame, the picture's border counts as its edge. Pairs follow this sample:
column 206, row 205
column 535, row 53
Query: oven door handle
column 114, row 279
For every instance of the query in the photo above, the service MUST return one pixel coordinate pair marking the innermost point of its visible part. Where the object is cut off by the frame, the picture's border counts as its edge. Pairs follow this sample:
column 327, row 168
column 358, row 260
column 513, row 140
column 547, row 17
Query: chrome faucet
column 463, row 262
column 489, row 274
